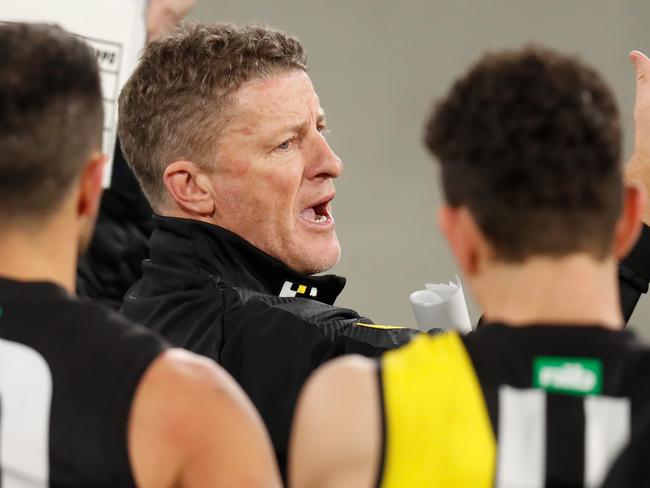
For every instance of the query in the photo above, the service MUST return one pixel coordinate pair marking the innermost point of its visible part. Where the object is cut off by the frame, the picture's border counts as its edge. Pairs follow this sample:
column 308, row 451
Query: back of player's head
column 51, row 117
column 529, row 142
column 172, row 106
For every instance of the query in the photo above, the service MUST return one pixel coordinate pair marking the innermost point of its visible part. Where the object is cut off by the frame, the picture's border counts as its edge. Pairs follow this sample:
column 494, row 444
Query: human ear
column 628, row 226
column 90, row 186
column 190, row 188
column 464, row 237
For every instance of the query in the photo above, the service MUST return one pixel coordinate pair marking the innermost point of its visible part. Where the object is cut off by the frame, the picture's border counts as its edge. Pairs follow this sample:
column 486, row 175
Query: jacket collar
column 188, row 243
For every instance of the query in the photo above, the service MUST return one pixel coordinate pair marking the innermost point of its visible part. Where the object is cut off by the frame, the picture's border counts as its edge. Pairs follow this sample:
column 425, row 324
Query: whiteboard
column 115, row 29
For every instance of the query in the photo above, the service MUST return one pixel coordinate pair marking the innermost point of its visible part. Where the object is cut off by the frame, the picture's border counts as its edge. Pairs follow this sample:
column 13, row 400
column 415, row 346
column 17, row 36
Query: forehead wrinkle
column 278, row 110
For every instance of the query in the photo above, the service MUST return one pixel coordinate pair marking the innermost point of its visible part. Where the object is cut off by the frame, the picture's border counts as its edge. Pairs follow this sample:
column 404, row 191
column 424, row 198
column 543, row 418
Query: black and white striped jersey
column 562, row 401
column 512, row 407
column 68, row 373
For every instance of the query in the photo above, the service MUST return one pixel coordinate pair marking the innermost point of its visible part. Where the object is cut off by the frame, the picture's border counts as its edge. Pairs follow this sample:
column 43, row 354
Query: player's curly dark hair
column 530, row 141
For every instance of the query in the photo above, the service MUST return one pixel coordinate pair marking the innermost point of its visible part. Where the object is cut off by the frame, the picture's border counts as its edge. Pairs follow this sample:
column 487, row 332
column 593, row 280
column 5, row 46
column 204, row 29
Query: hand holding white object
column 441, row 306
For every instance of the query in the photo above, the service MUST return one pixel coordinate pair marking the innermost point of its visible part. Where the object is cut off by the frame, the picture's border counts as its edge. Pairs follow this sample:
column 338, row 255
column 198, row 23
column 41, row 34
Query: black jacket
column 634, row 273
column 113, row 261
column 209, row 291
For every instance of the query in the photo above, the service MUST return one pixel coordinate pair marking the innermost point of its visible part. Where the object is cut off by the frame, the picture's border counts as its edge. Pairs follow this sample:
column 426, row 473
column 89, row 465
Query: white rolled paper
column 441, row 306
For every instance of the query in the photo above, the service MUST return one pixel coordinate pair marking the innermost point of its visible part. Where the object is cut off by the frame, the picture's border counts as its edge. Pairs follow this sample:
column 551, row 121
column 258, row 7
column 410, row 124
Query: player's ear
column 465, row 239
column 628, row 226
column 90, row 185
column 189, row 187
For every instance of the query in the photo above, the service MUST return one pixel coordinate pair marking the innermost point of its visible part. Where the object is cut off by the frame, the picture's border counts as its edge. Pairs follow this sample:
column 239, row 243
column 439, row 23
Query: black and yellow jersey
column 532, row 406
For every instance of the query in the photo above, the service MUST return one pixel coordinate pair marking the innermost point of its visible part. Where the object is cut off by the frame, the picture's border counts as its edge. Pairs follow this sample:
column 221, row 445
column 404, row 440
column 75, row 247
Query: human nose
column 324, row 162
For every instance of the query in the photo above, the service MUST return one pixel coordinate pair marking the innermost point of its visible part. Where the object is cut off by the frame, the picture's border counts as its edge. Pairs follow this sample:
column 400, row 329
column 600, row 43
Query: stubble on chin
column 311, row 263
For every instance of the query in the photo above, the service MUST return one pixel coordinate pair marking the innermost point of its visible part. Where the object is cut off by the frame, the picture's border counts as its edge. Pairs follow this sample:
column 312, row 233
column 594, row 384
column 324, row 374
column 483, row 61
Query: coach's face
column 273, row 184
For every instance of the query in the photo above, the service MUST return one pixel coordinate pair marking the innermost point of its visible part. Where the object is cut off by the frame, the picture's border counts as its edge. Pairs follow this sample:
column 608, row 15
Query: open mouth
column 319, row 213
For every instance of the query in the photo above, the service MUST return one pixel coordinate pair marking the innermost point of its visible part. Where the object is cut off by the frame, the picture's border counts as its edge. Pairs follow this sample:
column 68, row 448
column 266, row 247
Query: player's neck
column 572, row 290
column 48, row 253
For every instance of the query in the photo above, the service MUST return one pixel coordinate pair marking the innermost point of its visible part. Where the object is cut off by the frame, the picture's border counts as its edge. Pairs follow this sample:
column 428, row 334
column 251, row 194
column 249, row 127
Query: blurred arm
column 336, row 439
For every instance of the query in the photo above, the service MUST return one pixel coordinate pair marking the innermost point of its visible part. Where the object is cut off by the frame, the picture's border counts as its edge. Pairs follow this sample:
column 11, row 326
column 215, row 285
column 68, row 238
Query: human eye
column 286, row 144
column 323, row 130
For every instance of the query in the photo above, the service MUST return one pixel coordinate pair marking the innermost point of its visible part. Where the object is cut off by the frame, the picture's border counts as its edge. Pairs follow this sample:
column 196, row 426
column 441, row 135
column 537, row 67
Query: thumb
column 642, row 105
column 641, row 66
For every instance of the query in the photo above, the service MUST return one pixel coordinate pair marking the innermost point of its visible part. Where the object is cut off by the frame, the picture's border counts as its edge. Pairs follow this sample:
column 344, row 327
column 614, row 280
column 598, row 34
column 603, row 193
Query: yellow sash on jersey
column 438, row 431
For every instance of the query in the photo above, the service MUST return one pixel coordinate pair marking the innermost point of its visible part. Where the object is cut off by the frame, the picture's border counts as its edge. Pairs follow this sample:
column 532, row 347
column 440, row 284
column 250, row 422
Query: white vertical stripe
column 607, row 431
column 522, row 438
column 25, row 397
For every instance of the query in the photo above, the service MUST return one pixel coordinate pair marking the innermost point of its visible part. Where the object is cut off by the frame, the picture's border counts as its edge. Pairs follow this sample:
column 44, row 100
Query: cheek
column 239, row 168
column 230, row 181
column 263, row 188
column 286, row 182
column 271, row 197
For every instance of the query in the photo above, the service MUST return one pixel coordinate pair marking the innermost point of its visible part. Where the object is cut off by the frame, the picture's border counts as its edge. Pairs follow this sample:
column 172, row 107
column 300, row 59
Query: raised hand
column 163, row 15
column 638, row 169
